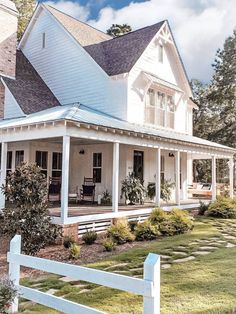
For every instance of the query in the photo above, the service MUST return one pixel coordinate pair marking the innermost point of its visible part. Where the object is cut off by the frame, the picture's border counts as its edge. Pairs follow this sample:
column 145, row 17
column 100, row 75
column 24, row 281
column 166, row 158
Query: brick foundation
column 71, row 231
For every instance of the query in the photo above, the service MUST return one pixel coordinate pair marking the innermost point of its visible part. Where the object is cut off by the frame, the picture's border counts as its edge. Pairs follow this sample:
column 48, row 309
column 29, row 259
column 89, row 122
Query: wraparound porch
column 71, row 137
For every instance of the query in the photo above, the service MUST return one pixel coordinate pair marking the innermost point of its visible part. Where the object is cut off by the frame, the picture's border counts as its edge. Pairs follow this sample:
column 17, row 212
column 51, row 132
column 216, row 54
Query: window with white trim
column 56, row 164
column 19, row 157
column 41, row 159
column 160, row 108
column 162, row 169
column 9, row 162
column 97, row 167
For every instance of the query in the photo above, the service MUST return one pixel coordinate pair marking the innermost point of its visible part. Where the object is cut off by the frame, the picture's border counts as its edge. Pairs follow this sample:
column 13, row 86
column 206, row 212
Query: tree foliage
column 117, row 30
column 25, row 9
column 27, row 215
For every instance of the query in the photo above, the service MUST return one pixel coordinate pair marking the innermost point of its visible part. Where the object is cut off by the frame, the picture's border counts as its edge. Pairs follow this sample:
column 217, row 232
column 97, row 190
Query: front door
column 138, row 164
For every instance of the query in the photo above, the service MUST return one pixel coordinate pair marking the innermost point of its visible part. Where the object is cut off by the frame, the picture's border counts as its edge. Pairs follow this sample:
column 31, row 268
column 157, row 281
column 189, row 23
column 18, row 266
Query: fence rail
column 148, row 287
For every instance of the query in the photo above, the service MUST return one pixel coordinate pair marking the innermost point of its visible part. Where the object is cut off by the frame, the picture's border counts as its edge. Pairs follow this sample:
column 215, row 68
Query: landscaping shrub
column 157, row 216
column 74, row 251
column 89, row 237
column 120, row 232
column 146, row 231
column 202, row 208
column 223, row 207
column 132, row 224
column 26, row 190
column 181, row 221
column 67, row 241
column 175, row 222
column 133, row 190
column 109, row 245
column 8, row 292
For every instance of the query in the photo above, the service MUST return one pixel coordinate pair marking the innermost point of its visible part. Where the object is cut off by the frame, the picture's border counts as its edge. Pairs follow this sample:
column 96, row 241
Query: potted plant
column 166, row 187
column 133, row 190
column 106, row 198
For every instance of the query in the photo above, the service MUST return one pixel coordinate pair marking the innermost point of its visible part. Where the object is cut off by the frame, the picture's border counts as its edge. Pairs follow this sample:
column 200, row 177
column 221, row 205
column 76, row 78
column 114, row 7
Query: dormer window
column 160, row 53
column 43, row 40
column 160, row 108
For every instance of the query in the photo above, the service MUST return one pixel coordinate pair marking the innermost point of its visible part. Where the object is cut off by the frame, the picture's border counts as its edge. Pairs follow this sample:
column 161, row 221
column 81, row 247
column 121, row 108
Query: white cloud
column 72, row 8
column 199, row 26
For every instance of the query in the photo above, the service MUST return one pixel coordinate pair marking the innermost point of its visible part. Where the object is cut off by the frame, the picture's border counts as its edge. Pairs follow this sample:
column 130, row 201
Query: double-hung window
column 97, row 167
column 9, row 162
column 160, row 108
column 41, row 159
column 19, row 157
column 56, row 164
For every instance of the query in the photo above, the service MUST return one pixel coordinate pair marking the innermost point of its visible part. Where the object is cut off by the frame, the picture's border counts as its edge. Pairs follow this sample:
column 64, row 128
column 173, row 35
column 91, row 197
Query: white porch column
column 177, row 177
column 231, row 177
column 115, row 177
column 65, row 178
column 213, row 174
column 158, row 178
column 3, row 172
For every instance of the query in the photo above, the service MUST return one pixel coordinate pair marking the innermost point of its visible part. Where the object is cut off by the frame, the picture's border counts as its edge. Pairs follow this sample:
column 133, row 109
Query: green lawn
column 206, row 284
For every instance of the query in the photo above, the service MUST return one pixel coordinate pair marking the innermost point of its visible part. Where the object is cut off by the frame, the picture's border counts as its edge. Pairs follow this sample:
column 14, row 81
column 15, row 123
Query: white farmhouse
column 84, row 105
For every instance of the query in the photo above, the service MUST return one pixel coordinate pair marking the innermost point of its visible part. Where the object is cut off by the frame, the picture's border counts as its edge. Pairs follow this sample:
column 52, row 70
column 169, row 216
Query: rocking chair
column 88, row 190
column 54, row 190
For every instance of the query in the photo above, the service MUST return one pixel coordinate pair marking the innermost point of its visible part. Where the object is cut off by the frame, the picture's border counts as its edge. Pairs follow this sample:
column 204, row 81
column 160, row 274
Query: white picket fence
column 148, row 287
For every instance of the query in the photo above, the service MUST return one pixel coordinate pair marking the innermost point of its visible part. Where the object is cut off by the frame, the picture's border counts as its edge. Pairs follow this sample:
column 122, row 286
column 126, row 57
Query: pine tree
column 117, row 30
column 222, row 93
column 25, row 9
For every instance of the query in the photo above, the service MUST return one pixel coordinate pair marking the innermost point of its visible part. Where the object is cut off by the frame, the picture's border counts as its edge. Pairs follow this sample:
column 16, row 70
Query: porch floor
column 94, row 209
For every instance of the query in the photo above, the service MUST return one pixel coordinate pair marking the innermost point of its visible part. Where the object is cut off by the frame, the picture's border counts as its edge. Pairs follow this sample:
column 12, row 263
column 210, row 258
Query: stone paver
column 230, row 245
column 179, row 253
column 201, row 252
column 206, row 248
column 52, row 291
column 68, row 279
column 165, row 257
column 165, row 266
column 185, row 259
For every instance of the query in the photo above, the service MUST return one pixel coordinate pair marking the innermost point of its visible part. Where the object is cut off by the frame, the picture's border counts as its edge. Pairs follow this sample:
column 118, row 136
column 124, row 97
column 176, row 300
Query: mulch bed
column 89, row 254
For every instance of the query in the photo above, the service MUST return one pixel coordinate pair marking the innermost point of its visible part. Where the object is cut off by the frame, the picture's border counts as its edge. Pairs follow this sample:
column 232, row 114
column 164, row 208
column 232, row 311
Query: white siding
column 167, row 71
column 68, row 70
column 11, row 107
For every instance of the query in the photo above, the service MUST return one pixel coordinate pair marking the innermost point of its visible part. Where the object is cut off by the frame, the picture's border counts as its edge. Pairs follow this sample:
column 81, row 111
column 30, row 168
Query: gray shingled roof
column 29, row 90
column 82, row 32
column 114, row 55
column 118, row 55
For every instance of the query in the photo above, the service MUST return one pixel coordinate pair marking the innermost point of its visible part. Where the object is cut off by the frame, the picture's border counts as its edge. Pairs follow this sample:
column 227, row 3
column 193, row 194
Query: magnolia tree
column 27, row 214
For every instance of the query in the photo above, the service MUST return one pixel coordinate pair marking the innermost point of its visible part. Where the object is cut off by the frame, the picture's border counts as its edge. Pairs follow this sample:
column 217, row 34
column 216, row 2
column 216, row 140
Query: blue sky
column 200, row 27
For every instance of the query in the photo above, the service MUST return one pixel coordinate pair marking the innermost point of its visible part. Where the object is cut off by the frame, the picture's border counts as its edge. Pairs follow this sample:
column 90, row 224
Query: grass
column 204, row 285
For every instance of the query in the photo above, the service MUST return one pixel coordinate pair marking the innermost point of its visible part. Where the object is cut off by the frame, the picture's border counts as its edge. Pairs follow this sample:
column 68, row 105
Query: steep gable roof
column 119, row 54
column 82, row 32
column 29, row 90
column 114, row 55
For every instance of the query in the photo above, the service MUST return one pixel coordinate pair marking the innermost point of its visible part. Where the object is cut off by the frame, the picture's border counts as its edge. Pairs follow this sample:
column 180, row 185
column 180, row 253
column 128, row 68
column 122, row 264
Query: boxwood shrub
column 223, row 207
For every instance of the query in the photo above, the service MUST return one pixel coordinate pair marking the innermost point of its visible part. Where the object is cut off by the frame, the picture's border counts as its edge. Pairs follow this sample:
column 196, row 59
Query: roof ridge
column 72, row 17
column 139, row 29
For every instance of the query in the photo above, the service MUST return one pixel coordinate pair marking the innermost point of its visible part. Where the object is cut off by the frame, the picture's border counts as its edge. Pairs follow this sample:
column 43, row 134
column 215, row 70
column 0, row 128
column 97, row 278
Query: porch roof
column 85, row 115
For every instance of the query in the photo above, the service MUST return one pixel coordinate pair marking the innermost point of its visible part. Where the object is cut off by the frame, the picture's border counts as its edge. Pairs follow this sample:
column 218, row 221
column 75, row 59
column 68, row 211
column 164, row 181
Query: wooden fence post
column 152, row 273
column 14, row 269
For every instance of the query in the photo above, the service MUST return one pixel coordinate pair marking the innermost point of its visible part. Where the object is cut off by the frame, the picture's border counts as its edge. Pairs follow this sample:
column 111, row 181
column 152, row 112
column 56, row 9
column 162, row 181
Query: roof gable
column 82, row 32
column 28, row 89
column 118, row 55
